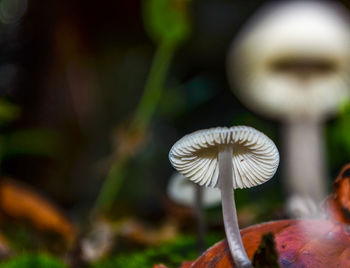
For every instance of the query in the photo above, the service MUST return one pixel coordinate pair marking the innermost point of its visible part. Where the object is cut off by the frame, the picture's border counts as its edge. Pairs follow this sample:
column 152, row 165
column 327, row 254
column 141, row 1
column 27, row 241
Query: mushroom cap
column 183, row 192
column 255, row 157
column 292, row 60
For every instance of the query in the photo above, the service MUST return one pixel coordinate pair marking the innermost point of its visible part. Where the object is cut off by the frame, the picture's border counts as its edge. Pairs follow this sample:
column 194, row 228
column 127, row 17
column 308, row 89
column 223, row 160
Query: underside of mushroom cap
column 255, row 157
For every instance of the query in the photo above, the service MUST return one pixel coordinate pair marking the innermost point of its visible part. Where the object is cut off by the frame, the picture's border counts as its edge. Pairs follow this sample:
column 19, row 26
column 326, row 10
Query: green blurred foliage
column 35, row 141
column 167, row 21
column 338, row 138
column 8, row 111
column 112, row 185
column 171, row 254
column 33, row 261
column 32, row 141
column 19, row 237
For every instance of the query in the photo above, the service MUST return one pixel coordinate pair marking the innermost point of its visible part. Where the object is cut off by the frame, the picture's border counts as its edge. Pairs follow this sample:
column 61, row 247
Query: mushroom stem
column 229, row 209
column 303, row 145
column 200, row 218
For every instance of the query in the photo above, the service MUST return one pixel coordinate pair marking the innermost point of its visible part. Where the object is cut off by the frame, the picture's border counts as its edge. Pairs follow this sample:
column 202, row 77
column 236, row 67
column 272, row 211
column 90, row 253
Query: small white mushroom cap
column 292, row 60
column 255, row 157
column 183, row 192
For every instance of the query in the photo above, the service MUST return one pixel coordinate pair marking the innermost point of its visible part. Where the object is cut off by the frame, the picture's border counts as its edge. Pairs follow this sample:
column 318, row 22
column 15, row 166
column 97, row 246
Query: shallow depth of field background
column 72, row 74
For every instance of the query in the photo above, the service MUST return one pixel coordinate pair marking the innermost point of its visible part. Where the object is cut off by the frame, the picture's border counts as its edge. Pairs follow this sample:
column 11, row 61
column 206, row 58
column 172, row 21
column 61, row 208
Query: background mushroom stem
column 200, row 219
column 305, row 163
column 229, row 208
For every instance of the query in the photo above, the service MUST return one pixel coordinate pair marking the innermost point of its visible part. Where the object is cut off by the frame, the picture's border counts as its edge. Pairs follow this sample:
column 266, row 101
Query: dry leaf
column 20, row 203
column 300, row 243
column 338, row 204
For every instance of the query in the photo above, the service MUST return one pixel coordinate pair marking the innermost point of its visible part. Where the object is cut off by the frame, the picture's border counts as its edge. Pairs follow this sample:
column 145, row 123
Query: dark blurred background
column 76, row 70
column 71, row 76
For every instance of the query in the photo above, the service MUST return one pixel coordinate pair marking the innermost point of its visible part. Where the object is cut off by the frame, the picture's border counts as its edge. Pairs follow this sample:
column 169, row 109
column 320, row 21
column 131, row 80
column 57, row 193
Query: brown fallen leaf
column 299, row 243
column 22, row 204
column 337, row 205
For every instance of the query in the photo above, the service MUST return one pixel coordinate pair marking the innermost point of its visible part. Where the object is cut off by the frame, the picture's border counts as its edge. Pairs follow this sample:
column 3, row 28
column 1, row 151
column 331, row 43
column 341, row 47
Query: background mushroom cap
column 293, row 60
column 255, row 157
column 183, row 192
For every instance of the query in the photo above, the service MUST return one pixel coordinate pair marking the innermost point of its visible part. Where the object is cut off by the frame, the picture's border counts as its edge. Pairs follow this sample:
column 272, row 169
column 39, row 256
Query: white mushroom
column 183, row 191
column 292, row 62
column 187, row 193
column 228, row 158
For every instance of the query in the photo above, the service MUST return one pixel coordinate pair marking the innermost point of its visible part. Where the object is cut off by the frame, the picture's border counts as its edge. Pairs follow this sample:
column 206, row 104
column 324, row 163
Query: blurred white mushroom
column 183, row 191
column 228, row 158
column 292, row 62
column 187, row 193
